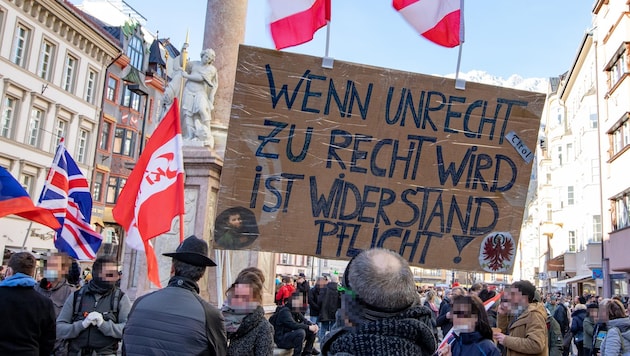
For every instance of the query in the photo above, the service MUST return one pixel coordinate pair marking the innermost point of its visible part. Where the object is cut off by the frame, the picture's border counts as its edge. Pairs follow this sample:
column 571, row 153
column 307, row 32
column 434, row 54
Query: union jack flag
column 67, row 195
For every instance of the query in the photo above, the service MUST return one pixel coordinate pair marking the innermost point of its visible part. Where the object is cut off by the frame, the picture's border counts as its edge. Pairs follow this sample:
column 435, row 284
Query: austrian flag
column 294, row 22
column 439, row 21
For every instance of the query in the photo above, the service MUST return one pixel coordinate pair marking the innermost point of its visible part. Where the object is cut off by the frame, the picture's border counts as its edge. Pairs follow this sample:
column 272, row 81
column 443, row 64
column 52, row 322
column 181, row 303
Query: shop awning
column 575, row 279
column 556, row 264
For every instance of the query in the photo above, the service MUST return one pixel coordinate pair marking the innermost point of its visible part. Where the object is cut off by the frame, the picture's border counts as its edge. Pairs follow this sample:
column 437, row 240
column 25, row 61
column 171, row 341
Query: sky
column 535, row 38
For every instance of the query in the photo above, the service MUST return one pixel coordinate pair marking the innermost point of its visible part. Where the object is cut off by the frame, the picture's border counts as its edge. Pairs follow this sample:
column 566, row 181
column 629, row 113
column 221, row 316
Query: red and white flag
column 154, row 192
column 439, row 21
column 294, row 22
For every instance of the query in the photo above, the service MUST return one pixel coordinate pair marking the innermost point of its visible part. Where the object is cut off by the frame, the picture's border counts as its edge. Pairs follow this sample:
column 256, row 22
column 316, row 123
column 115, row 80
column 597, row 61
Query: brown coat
column 528, row 334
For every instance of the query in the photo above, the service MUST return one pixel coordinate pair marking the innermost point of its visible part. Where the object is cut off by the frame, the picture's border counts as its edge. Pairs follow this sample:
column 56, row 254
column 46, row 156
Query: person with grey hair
column 175, row 319
column 380, row 309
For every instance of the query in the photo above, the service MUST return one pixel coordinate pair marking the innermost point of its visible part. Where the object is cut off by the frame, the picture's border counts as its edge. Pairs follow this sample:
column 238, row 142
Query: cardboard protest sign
column 328, row 162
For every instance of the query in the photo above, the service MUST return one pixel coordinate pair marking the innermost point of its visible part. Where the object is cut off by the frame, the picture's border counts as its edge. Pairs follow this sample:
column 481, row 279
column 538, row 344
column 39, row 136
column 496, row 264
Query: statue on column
column 196, row 83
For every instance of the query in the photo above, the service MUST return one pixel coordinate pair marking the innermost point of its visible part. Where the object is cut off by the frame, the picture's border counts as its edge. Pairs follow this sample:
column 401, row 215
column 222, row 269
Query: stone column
column 225, row 30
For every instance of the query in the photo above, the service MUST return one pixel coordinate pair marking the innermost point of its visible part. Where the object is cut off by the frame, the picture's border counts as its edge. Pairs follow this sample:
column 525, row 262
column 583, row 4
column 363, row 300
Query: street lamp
column 137, row 89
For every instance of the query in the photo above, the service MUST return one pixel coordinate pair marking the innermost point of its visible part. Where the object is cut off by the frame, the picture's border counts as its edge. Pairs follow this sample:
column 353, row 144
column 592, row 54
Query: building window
column 131, row 99
column 570, row 195
column 59, row 132
column 8, row 116
column 34, row 127
column 572, row 241
column 114, row 186
column 570, row 157
column 69, row 73
column 105, row 132
column 620, row 211
column 90, row 87
column 619, row 136
column 135, row 52
column 46, row 59
column 84, row 136
column 597, row 228
column 28, row 181
column 112, row 84
column 97, row 190
column 124, row 142
column 21, row 45
column 560, row 155
column 617, row 67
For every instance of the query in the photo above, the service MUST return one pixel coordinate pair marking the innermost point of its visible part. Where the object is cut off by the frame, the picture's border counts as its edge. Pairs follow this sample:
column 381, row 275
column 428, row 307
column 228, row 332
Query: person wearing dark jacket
column 182, row 319
column 302, row 286
column 589, row 327
column 445, row 319
column 577, row 327
column 93, row 318
column 27, row 318
column 292, row 330
column 329, row 302
column 380, row 313
column 472, row 334
column 313, row 295
column 249, row 333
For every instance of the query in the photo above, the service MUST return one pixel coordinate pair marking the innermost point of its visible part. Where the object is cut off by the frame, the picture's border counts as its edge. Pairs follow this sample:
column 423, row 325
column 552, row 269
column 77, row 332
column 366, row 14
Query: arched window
column 135, row 52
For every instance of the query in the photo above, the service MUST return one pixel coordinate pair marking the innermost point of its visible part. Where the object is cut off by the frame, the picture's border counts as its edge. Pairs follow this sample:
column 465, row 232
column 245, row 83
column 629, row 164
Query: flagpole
column 460, row 83
column 26, row 236
column 327, row 62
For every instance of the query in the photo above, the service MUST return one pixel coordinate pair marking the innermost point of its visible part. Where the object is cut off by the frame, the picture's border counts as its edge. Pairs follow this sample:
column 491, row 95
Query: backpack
column 78, row 297
column 555, row 336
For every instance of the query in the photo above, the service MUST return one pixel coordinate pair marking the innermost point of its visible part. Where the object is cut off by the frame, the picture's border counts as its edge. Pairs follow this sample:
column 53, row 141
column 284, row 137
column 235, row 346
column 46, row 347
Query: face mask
column 51, row 274
column 566, row 304
column 463, row 328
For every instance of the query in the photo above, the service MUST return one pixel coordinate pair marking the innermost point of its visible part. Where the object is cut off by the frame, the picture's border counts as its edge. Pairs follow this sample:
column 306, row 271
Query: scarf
column 18, row 280
column 232, row 319
column 99, row 288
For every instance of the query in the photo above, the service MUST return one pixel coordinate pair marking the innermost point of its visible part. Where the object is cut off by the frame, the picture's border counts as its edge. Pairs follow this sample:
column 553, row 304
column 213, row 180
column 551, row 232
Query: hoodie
column 617, row 341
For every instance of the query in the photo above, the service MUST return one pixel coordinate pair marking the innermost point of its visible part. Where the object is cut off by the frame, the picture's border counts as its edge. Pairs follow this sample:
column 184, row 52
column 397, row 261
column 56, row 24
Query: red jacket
column 284, row 293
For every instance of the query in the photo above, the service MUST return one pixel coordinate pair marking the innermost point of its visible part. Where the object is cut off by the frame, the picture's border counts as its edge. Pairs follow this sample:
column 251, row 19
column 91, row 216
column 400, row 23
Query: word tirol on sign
column 329, row 162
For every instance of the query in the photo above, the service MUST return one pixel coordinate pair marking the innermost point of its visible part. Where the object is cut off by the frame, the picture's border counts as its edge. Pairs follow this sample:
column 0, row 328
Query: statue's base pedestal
column 203, row 169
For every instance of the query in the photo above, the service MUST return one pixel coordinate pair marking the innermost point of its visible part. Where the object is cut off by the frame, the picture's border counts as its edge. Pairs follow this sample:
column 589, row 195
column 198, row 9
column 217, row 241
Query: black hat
column 592, row 306
column 302, row 275
column 193, row 251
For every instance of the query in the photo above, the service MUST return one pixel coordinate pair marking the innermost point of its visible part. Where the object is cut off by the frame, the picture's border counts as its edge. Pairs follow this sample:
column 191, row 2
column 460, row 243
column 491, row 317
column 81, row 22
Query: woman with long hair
column 472, row 334
column 248, row 331
column 617, row 341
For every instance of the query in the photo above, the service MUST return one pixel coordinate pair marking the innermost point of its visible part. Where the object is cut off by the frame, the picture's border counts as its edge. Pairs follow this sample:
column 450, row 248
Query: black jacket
column 27, row 322
column 172, row 320
column 442, row 321
column 329, row 302
column 562, row 317
column 313, row 295
column 284, row 321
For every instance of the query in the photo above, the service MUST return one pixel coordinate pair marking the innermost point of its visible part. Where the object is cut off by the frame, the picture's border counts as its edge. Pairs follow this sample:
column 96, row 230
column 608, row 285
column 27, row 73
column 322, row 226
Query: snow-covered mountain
column 515, row 81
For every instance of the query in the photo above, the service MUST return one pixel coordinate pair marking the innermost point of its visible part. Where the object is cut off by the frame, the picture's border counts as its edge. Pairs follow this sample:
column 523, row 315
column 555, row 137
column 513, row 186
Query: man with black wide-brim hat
column 175, row 320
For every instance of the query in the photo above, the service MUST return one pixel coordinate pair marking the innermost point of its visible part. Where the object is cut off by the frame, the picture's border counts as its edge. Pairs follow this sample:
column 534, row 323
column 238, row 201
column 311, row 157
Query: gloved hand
column 86, row 322
column 96, row 318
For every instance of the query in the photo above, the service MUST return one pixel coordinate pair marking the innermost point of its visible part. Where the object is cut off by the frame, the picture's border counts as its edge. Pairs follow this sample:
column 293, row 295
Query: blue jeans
column 324, row 327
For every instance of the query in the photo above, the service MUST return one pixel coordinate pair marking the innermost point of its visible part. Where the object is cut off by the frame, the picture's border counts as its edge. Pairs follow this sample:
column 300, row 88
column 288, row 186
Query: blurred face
column 109, row 273
column 593, row 313
column 235, row 221
column 54, row 268
column 322, row 283
column 516, row 298
column 242, row 297
column 463, row 319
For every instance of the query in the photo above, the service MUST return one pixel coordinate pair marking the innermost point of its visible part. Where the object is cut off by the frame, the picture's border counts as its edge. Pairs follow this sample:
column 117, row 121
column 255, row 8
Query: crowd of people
column 373, row 308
